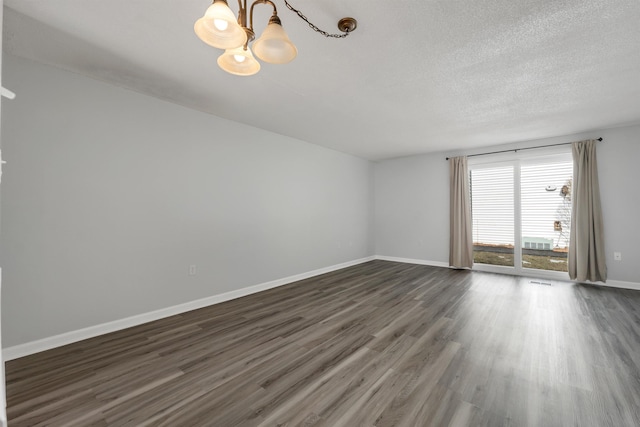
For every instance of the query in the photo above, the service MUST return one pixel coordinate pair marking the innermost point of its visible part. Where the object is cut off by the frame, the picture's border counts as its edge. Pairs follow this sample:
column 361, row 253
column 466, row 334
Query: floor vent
column 535, row 282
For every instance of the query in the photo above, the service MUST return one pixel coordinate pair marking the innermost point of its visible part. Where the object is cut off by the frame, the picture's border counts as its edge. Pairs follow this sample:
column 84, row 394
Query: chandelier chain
column 314, row 27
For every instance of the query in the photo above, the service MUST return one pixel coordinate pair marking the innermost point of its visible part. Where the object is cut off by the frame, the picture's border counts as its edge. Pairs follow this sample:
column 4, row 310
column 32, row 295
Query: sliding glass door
column 546, row 214
column 521, row 213
column 492, row 206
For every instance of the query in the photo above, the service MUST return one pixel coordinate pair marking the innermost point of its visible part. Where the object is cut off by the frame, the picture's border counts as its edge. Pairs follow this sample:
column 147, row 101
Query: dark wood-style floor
column 379, row 344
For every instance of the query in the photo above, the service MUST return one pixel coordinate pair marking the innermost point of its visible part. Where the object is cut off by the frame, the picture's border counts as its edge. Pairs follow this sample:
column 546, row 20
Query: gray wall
column 412, row 208
column 412, row 201
column 109, row 196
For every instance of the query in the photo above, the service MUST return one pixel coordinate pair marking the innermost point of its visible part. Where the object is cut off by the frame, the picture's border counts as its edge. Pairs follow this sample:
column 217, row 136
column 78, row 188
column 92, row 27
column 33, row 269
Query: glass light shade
column 274, row 45
column 219, row 27
column 239, row 62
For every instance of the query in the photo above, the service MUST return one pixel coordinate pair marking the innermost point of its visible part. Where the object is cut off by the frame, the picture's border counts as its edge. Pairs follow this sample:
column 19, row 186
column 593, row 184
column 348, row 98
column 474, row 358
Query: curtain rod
column 515, row 150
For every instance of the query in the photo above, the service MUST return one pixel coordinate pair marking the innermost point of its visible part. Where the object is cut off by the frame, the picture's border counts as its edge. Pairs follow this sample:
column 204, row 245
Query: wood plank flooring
column 378, row 344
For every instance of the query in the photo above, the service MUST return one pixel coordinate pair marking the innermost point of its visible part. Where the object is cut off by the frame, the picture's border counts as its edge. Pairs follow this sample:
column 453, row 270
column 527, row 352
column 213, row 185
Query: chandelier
column 221, row 29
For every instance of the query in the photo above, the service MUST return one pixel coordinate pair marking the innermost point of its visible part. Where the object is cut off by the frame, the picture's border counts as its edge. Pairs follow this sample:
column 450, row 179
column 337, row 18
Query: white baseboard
column 496, row 269
column 619, row 284
column 413, row 261
column 33, row 347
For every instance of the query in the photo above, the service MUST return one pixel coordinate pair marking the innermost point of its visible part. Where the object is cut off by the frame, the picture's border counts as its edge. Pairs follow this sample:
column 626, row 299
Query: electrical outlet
column 192, row 270
column 617, row 256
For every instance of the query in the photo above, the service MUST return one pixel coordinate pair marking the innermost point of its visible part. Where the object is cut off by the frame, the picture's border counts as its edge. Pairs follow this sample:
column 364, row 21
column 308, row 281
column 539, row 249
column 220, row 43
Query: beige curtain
column 586, row 247
column 460, row 240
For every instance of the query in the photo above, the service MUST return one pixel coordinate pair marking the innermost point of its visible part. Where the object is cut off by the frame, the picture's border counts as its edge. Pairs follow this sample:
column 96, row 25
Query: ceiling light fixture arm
column 248, row 26
column 242, row 13
column 274, row 16
column 242, row 21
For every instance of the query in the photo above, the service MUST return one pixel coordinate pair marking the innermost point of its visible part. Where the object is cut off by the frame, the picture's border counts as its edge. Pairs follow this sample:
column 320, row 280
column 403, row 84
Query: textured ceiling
column 416, row 76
